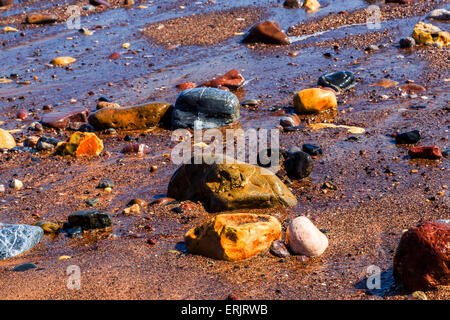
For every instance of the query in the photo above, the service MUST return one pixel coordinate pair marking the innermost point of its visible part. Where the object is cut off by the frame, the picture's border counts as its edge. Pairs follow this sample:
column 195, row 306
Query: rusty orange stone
column 81, row 144
column 314, row 100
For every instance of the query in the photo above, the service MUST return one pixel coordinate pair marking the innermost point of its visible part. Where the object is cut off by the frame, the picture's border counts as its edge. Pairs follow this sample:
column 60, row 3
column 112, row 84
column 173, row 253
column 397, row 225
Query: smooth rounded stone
column 104, row 104
column 303, row 238
column 233, row 237
column 104, row 99
column 16, row 184
column 131, row 118
column 440, row 14
column 222, row 184
column 312, row 150
column 408, row 42
column 291, row 120
column 2, row 188
column 298, row 165
column 4, row 3
column 65, row 117
column 46, row 143
column 48, row 227
column 422, row 259
column 233, row 79
column 408, row 137
column 81, row 144
column 425, row 152
column 278, row 249
column 105, row 183
column 446, row 153
column 250, row 102
column 372, row 47
column 24, row 267
column 90, row 219
column 265, row 157
column 412, row 88
column 40, row 18
column 314, row 100
column 63, row 61
column 18, row 238
column 293, row 129
column 338, row 81
column 205, row 108
column 7, row 141
column 293, row 4
column 425, row 33
column 268, row 32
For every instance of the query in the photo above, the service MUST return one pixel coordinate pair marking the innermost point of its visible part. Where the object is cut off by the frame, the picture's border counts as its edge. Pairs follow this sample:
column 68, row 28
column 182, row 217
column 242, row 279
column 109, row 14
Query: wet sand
column 377, row 196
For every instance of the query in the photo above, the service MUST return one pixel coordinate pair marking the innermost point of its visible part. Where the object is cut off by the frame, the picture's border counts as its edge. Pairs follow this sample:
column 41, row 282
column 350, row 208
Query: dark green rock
column 90, row 219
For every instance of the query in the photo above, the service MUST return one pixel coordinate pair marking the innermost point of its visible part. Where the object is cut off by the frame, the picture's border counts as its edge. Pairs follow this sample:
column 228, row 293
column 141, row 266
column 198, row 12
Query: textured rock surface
column 206, row 108
column 81, row 144
column 303, row 238
column 232, row 80
column 268, row 32
column 425, row 152
column 90, row 219
column 6, row 140
column 225, row 186
column 64, row 118
column 133, row 118
column 314, row 100
column 425, row 33
column 18, row 238
column 422, row 259
column 342, row 80
column 233, row 237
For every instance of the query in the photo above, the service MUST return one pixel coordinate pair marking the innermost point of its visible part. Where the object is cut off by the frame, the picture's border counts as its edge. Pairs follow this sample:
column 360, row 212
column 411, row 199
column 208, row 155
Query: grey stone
column 45, row 143
column 90, row 219
column 18, row 238
column 205, row 108
column 440, row 14
column 24, row 267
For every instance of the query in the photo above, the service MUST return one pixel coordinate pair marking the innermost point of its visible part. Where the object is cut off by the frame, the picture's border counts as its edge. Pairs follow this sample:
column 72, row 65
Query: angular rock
column 312, row 150
column 41, row 18
column 303, row 238
column 18, row 238
column 90, row 219
column 425, row 152
column 422, row 259
column 440, row 14
column 65, row 118
column 408, row 137
column 205, row 108
column 81, row 144
column 291, row 120
column 132, row 118
column 268, row 32
column 45, row 143
column 233, row 237
column 228, row 186
column 278, row 249
column 232, row 80
column 6, row 140
column 425, row 33
column 105, row 183
column 314, row 100
column 48, row 227
column 298, row 165
column 338, row 81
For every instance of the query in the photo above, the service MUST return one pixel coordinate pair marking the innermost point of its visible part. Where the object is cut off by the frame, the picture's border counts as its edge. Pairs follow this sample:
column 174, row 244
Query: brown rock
column 292, row 4
column 31, row 142
column 268, row 32
column 67, row 117
column 232, row 80
column 133, row 118
column 4, row 3
column 229, row 186
column 138, row 148
column 413, row 88
column 6, row 140
column 186, row 85
column 233, row 237
column 114, row 56
column 104, row 104
column 422, row 259
column 40, row 18
column 425, row 152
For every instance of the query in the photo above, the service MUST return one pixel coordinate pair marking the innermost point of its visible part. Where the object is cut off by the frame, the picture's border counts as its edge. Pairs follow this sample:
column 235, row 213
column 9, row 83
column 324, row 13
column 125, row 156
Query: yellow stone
column 350, row 129
column 64, row 257
column 426, row 33
column 311, row 5
column 4, row 80
column 48, row 227
column 233, row 237
column 10, row 29
column 81, row 144
column 314, row 100
column 126, row 45
column 63, row 61
column 6, row 140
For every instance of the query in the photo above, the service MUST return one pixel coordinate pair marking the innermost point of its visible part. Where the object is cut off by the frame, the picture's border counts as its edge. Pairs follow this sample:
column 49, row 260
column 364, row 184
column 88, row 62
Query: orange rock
column 385, row 83
column 81, row 144
column 186, row 85
column 233, row 237
column 314, row 100
column 413, row 88
column 311, row 5
column 6, row 140
column 268, row 32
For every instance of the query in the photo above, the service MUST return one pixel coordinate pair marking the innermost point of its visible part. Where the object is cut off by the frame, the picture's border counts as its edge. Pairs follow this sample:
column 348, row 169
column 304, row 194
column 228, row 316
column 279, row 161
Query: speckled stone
column 18, row 238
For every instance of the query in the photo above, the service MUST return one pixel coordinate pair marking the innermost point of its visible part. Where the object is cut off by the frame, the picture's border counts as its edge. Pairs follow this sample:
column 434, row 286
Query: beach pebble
column 278, row 249
column 303, row 238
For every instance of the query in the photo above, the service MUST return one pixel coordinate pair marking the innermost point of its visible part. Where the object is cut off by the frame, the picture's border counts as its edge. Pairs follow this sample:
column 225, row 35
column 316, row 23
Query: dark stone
column 407, row 43
column 104, row 99
column 312, row 150
column 127, row 138
column 298, row 165
column 408, row 137
column 264, row 158
column 24, row 267
column 293, row 129
column 338, row 81
column 4, row 3
column 178, row 210
column 62, row 118
column 446, row 153
column 90, row 219
column 292, row 4
column 99, row 3
column 105, row 183
column 278, row 249
column 91, row 202
column 207, row 107
column 86, row 128
column 45, row 143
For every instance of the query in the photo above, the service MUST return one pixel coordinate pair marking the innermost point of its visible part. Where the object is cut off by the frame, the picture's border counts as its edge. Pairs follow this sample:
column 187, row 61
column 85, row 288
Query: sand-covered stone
column 233, row 237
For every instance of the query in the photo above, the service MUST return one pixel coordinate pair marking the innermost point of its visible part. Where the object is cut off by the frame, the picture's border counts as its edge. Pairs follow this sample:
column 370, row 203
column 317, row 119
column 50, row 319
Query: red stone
column 138, row 148
column 232, row 80
column 268, row 32
column 422, row 259
column 67, row 117
column 163, row 201
column 22, row 114
column 114, row 56
column 151, row 241
column 186, row 85
column 426, row 152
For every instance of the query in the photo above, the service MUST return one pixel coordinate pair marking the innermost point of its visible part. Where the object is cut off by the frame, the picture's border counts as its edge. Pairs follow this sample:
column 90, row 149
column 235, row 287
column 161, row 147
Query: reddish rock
column 138, row 148
column 426, row 152
column 268, row 32
column 186, row 85
column 22, row 114
column 163, row 201
column 413, row 88
column 232, row 80
column 69, row 117
column 422, row 258
column 114, row 56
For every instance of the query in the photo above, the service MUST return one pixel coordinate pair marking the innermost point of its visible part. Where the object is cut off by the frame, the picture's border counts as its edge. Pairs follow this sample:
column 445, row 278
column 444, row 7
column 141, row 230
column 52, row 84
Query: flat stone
column 425, row 152
column 63, row 61
column 99, row 3
column 18, row 238
column 24, row 267
column 440, row 14
column 65, row 117
column 90, row 219
column 278, row 249
column 312, row 150
column 205, row 108
column 268, row 32
column 40, row 18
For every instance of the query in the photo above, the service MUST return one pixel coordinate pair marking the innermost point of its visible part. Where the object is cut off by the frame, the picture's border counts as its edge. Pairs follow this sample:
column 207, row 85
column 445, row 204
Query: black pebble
column 407, row 137
column 311, row 149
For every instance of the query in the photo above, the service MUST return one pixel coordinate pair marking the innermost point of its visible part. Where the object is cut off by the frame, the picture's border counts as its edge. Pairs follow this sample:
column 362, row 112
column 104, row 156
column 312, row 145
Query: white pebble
column 304, row 238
